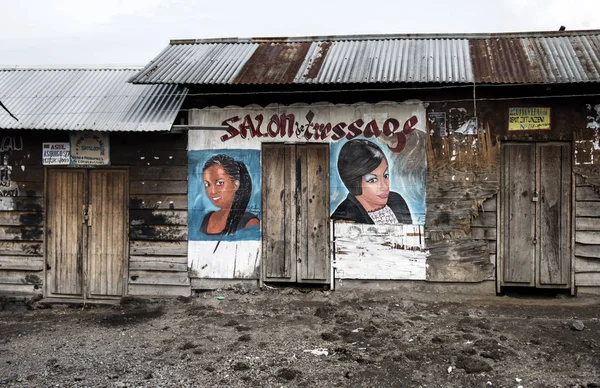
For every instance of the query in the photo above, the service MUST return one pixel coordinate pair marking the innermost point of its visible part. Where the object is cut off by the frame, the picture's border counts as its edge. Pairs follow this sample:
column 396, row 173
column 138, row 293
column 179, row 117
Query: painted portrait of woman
column 364, row 171
column 228, row 185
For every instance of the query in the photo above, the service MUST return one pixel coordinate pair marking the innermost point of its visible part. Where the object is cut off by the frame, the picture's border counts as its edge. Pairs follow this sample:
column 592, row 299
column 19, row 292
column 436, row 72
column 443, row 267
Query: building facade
column 451, row 159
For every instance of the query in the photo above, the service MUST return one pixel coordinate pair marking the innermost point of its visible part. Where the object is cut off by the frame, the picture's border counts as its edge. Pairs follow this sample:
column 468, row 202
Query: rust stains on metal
column 502, row 60
column 315, row 67
column 273, row 64
column 536, row 59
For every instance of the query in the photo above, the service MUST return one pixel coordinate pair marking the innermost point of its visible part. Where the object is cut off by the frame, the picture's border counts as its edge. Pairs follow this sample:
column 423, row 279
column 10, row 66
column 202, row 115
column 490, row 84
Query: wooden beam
column 158, row 248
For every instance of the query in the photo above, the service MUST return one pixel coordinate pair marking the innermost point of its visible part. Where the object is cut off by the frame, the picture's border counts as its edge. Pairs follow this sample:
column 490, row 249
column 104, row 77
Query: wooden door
column 65, row 232
column 107, row 241
column 536, row 215
column 296, row 213
column 86, row 231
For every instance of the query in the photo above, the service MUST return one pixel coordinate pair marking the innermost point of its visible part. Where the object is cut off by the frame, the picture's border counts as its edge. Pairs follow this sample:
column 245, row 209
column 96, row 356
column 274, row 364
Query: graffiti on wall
column 224, row 195
column 8, row 188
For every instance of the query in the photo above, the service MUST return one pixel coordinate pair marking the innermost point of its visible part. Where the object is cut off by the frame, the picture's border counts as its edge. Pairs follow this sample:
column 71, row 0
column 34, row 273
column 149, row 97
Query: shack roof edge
column 334, row 38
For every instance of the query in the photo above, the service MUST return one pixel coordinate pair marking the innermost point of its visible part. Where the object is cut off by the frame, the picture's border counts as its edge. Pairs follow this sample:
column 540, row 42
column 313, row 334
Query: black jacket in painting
column 352, row 210
column 241, row 225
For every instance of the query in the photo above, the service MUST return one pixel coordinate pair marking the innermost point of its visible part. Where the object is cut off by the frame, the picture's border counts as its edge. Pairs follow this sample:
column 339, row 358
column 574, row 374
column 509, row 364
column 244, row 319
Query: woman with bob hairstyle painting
column 364, row 170
column 228, row 186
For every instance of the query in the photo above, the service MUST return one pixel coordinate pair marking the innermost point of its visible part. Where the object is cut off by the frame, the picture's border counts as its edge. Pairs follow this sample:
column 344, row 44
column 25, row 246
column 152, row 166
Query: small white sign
column 56, row 153
column 90, row 148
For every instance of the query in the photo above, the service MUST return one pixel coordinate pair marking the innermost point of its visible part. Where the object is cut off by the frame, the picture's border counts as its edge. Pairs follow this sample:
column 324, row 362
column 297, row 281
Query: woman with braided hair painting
column 364, row 170
column 228, row 186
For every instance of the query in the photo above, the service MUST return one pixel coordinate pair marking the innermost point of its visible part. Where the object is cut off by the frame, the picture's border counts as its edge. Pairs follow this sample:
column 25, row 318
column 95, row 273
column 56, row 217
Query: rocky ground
column 305, row 338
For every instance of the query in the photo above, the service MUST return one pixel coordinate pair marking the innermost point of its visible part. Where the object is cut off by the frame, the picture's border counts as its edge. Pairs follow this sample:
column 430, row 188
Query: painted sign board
column 55, row 154
column 90, row 148
column 528, row 119
column 376, row 174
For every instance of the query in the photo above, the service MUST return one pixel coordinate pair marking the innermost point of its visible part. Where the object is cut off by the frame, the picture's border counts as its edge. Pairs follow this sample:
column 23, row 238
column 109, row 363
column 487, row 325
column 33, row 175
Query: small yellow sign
column 528, row 119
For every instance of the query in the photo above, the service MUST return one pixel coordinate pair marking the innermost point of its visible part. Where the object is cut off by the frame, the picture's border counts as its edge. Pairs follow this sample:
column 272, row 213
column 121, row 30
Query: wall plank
column 587, row 250
column 158, row 248
column 487, row 219
column 158, row 217
column 158, row 233
column 28, row 174
column 165, row 173
column 587, row 223
column 157, row 266
column 586, row 264
column 21, row 248
column 587, row 193
column 587, row 279
column 23, row 263
column 24, row 204
column 21, row 277
column 150, row 158
column 481, row 233
column 21, row 233
column 154, row 201
column 587, row 237
column 158, row 278
column 158, row 187
column 158, row 290
column 21, row 218
column 587, row 209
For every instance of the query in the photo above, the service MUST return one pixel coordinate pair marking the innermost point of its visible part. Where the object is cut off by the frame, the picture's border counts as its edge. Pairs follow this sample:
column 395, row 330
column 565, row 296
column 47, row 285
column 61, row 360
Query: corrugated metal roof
column 86, row 99
column 564, row 59
column 527, row 57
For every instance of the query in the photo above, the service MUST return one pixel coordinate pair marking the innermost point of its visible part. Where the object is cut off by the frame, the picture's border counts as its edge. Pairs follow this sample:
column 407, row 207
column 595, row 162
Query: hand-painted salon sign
column 286, row 125
column 393, row 122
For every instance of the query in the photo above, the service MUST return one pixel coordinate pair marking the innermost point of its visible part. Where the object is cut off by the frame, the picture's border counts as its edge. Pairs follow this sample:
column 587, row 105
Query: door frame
column 296, row 224
column 500, row 218
column 85, row 291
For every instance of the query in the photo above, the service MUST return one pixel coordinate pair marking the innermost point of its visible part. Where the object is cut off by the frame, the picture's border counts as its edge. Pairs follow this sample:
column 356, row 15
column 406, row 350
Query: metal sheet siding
column 86, row 99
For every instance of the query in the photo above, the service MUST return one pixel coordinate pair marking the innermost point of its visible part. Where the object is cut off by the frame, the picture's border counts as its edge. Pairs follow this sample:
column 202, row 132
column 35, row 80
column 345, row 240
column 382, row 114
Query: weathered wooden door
column 535, row 235
column 296, row 213
column 86, row 229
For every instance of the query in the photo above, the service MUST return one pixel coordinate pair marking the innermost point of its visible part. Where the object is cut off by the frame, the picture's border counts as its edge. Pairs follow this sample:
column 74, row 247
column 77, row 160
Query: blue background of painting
column 199, row 204
column 413, row 193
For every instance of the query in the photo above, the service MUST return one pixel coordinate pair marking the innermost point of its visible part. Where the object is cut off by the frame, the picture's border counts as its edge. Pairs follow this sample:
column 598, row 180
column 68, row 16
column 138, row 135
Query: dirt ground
column 305, row 338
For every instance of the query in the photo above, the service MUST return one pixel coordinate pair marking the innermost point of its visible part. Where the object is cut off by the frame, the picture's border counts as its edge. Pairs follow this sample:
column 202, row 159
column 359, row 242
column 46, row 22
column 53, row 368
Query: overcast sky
column 132, row 32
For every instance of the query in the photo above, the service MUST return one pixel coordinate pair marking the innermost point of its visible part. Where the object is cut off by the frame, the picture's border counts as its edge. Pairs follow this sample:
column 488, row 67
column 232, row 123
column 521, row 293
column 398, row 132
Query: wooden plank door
column 295, row 229
column 279, row 206
column 65, row 232
column 86, row 228
column 554, row 246
column 107, row 241
column 536, row 215
column 313, row 213
column 519, row 214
